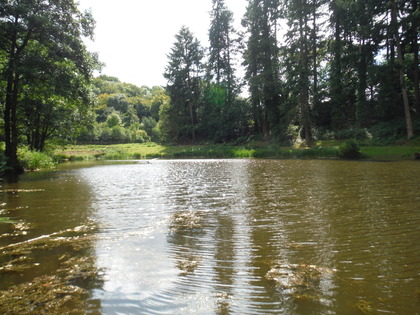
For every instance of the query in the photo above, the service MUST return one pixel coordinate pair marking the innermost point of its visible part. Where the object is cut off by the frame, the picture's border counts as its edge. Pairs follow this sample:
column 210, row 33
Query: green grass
column 151, row 150
column 257, row 150
column 395, row 152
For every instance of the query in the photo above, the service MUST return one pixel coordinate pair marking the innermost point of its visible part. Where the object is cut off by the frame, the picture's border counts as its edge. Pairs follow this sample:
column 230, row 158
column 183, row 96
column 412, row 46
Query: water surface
column 219, row 236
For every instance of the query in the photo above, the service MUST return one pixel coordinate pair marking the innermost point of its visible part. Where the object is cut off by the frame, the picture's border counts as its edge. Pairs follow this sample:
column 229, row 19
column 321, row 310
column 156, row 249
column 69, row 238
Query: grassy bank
column 152, row 150
column 323, row 150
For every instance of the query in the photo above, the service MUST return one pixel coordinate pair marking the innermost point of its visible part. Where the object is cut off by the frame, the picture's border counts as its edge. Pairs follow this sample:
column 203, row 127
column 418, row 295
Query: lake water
column 213, row 237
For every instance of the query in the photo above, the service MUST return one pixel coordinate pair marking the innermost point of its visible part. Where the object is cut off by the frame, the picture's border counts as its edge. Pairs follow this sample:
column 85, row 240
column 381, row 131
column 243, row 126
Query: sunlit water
column 232, row 236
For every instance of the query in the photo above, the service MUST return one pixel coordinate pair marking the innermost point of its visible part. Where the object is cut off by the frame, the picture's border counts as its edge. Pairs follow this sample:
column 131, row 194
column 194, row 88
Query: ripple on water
column 256, row 236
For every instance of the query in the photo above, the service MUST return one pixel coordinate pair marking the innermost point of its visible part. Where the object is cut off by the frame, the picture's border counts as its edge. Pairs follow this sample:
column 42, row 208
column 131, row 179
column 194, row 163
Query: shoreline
column 144, row 151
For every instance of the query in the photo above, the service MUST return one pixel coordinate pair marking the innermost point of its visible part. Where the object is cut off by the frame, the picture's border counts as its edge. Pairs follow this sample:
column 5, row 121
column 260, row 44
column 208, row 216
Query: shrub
column 33, row 160
column 349, row 150
column 140, row 136
column 389, row 132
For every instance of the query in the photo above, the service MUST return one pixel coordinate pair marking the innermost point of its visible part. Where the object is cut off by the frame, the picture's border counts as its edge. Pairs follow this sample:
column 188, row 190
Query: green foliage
column 360, row 134
column 328, row 80
column 120, row 108
column 349, row 150
column 113, row 120
column 184, row 73
column 46, row 68
column 149, row 125
column 3, row 163
column 222, row 49
column 388, row 132
column 33, row 160
column 261, row 61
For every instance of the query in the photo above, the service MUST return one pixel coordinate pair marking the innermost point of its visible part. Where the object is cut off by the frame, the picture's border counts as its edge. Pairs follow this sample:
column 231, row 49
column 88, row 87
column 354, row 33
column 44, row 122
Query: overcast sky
column 133, row 37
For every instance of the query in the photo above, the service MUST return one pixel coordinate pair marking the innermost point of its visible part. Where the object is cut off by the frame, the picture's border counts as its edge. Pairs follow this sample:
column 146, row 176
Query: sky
column 134, row 37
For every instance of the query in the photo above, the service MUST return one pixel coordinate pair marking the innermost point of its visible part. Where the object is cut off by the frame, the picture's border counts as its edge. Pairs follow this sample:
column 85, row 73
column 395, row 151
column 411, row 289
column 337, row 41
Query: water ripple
column 203, row 236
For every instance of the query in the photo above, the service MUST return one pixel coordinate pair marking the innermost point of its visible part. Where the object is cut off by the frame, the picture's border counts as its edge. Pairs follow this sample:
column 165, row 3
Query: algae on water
column 65, row 289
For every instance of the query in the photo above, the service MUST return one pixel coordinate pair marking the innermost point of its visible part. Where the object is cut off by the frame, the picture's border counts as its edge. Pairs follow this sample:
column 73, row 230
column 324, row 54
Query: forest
column 297, row 71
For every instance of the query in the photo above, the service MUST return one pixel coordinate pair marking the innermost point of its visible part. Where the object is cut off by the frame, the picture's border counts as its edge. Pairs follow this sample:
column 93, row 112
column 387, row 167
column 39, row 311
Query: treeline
column 313, row 68
column 123, row 112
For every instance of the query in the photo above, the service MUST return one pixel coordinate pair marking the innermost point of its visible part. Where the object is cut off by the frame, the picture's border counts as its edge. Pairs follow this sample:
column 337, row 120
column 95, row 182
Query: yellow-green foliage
column 33, row 160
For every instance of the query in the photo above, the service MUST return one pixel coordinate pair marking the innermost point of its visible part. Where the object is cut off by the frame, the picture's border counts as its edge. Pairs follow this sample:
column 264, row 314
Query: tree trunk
column 12, row 95
column 400, row 61
column 10, row 122
column 338, row 117
column 314, row 54
column 192, row 121
column 362, row 85
column 416, row 57
column 304, row 77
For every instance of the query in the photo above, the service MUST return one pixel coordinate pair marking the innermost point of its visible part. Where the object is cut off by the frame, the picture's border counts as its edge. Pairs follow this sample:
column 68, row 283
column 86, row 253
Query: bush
column 33, row 160
column 356, row 133
column 140, row 136
column 385, row 133
column 349, row 150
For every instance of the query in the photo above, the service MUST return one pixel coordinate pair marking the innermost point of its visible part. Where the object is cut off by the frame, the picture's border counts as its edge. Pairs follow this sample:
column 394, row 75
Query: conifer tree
column 221, row 50
column 261, row 61
column 184, row 73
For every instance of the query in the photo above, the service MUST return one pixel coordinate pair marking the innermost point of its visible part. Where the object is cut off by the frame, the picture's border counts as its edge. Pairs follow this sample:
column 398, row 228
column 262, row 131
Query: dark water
column 221, row 236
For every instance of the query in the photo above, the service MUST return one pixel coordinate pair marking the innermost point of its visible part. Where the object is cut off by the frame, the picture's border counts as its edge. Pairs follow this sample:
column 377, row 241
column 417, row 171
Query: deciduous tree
column 49, row 32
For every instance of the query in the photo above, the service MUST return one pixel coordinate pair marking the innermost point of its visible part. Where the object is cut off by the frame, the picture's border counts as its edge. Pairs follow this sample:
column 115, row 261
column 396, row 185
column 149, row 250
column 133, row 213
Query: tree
column 301, row 55
column 394, row 21
column 415, row 29
column 221, row 51
column 220, row 93
column 337, row 68
column 47, row 31
column 261, row 61
column 184, row 74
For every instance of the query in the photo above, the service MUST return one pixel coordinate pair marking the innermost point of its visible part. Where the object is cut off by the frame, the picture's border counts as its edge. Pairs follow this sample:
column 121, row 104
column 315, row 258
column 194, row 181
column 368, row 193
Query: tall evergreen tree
column 400, row 60
column 221, row 50
column 415, row 34
column 301, row 55
column 261, row 61
column 184, row 74
column 222, row 89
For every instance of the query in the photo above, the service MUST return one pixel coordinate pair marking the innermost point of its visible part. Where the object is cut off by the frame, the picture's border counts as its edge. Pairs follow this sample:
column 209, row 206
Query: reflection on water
column 226, row 236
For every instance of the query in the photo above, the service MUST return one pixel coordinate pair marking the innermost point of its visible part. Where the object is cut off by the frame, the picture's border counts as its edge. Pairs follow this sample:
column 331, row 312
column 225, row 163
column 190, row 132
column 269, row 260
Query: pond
column 212, row 237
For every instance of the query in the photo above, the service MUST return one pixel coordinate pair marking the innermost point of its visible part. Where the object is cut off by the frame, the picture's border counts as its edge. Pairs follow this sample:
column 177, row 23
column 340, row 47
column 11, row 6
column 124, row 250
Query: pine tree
column 298, row 14
column 184, row 73
column 400, row 60
column 261, row 61
column 221, row 50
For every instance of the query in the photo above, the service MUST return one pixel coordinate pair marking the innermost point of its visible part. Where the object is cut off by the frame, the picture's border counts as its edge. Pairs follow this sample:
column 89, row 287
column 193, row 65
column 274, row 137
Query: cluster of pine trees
column 313, row 68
